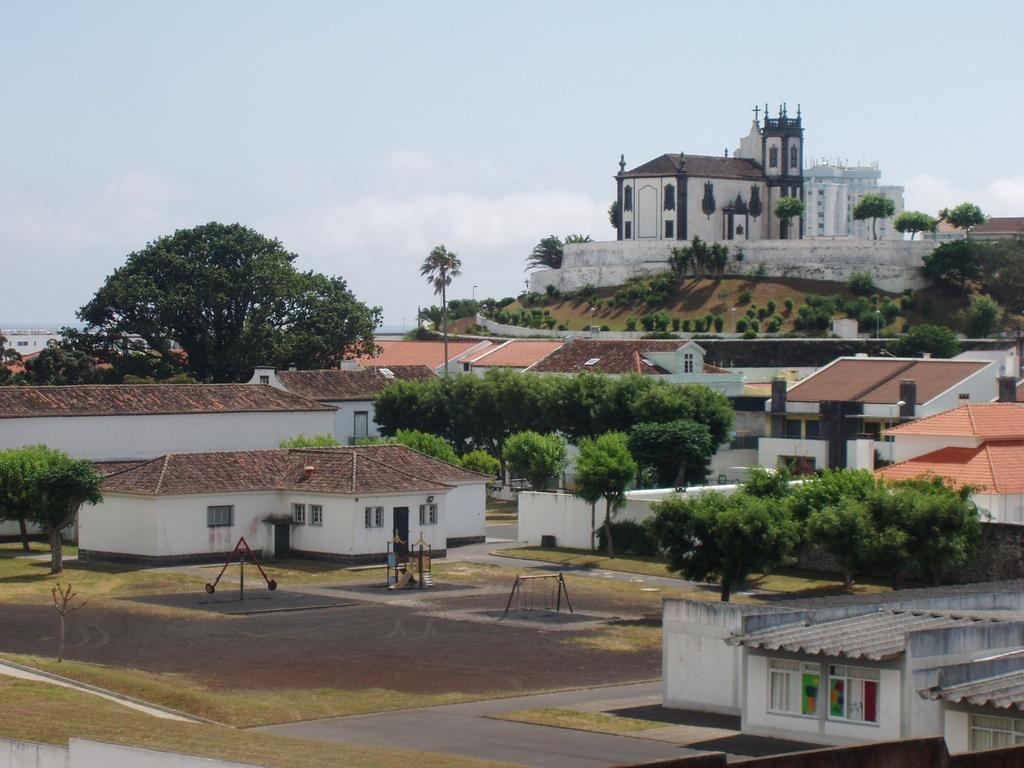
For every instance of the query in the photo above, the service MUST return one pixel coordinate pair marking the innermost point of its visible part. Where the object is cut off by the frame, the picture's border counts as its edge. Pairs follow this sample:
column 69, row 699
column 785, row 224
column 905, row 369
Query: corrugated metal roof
column 1003, row 691
column 880, row 635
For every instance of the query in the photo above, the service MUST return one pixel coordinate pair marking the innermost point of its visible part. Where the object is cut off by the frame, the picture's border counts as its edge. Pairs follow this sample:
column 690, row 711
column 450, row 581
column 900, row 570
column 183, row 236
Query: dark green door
column 402, row 529
column 282, row 539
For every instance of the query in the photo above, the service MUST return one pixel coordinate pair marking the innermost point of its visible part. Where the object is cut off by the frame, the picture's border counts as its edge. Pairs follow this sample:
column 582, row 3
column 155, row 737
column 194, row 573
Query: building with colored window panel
column 857, row 669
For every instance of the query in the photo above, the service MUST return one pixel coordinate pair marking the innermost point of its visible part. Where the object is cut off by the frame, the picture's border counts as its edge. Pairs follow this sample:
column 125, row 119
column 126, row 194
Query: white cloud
column 1001, row 197
column 1004, row 197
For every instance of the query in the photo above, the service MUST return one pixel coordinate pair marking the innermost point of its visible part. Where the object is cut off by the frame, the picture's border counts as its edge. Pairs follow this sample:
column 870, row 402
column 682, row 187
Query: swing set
column 240, row 551
column 542, row 592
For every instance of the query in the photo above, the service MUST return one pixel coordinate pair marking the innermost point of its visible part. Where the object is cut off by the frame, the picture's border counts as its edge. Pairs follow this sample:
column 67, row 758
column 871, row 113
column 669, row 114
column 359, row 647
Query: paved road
column 463, row 729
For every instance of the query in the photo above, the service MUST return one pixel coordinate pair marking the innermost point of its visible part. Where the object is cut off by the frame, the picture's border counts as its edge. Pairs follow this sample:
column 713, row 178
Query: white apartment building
column 832, row 190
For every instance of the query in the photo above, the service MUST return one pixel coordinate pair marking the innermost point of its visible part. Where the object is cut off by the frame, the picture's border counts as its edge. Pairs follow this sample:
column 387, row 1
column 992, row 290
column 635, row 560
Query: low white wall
column 894, row 265
column 567, row 517
column 145, row 437
column 27, row 754
column 699, row 670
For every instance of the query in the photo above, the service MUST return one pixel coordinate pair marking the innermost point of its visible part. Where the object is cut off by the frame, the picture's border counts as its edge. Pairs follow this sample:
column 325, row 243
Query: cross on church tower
column 757, row 113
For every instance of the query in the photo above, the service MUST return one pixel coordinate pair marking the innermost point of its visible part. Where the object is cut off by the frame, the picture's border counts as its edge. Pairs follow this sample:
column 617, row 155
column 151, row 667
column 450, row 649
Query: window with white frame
column 264, row 379
column 222, row 514
column 428, row 514
column 361, row 424
column 992, row 732
column 299, row 513
column 793, row 687
column 688, row 362
column 316, row 514
column 853, row 693
column 374, row 517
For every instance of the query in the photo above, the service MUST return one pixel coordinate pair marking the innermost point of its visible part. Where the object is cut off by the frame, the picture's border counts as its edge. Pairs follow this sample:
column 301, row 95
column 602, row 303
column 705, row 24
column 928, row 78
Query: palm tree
column 547, row 254
column 440, row 268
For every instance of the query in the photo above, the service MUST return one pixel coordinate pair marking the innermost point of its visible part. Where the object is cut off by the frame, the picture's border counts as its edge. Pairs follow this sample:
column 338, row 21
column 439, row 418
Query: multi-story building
column 832, row 190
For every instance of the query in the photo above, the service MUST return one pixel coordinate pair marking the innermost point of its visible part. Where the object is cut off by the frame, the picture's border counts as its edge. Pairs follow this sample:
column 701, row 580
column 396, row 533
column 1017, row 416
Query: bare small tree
column 62, row 598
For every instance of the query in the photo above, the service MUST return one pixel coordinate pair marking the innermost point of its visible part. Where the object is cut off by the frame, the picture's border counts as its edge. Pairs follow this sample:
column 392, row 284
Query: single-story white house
column 110, row 422
column 339, row 504
column 350, row 390
column 846, row 671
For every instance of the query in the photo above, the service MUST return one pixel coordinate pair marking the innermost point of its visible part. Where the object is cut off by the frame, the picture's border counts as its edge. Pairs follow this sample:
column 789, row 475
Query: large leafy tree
column 231, row 298
column 965, row 216
column 954, row 263
column 547, row 254
column 536, row 457
column 724, row 538
column 914, row 222
column 983, row 317
column 846, row 530
column 936, row 340
column 1002, row 273
column 678, row 452
column 17, row 466
column 439, row 268
column 874, row 207
column 604, row 469
column 788, row 208
column 63, row 364
column 7, row 356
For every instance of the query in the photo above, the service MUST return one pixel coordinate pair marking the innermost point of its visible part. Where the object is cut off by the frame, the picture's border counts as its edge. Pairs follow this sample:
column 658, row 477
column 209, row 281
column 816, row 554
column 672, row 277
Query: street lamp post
column 878, row 317
column 474, row 292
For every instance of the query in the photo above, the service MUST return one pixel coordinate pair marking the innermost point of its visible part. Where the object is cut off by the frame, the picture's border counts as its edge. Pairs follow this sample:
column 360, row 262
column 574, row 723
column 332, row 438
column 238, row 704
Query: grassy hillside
column 731, row 298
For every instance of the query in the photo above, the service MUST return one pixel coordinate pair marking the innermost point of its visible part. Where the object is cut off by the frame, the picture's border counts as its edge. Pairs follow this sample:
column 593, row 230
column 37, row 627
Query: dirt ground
column 411, row 645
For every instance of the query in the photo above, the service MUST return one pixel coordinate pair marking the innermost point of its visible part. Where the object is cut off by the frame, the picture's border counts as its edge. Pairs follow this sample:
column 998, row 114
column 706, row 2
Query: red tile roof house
column 834, row 418
column 980, row 445
column 338, row 504
column 350, row 391
column 396, row 352
column 107, row 422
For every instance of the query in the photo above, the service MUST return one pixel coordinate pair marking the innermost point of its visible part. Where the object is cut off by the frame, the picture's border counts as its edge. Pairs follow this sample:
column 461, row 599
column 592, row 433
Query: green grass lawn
column 595, row 722
column 50, row 714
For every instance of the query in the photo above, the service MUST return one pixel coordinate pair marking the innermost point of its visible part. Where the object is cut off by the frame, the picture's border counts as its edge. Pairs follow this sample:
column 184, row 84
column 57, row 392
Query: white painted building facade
column 832, row 191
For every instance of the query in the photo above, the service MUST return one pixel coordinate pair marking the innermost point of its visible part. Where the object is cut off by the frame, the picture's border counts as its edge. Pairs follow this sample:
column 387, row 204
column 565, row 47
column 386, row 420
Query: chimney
column 1007, row 389
column 965, row 397
column 778, row 408
column 291, row 367
column 908, row 394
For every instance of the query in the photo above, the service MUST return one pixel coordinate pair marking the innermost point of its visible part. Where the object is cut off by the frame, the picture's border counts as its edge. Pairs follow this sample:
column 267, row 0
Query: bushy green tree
column 936, row 340
column 712, row 536
column 677, row 452
column 846, row 530
column 955, row 263
column 535, row 456
column 310, row 441
column 231, row 298
column 431, row 445
column 17, row 466
column 788, row 208
column 874, row 207
column 482, row 462
column 983, row 317
column 1002, row 273
column 914, row 222
column 965, row 216
column 861, row 283
column 604, row 469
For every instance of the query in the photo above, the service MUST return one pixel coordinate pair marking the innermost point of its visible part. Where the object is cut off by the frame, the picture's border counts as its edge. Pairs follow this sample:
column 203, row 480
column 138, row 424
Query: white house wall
column 907, row 447
column 770, row 449
column 106, row 438
column 467, row 505
column 122, row 525
column 344, row 419
column 181, row 527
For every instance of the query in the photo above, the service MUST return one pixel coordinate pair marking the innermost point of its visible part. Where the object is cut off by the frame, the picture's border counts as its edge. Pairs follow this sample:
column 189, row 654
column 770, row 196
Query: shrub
column 983, row 317
column 907, row 303
column 750, row 333
column 774, row 324
column 788, row 303
column 676, row 322
column 742, row 325
column 771, row 306
column 745, row 296
column 553, row 292
column 631, row 538
column 482, row 462
column 861, row 284
column 763, row 312
column 687, row 325
column 647, row 321
column 719, row 323
column 630, row 323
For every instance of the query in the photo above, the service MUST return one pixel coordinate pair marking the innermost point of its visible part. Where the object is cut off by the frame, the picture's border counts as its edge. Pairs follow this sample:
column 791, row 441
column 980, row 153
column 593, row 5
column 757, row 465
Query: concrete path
column 464, row 729
column 11, row 669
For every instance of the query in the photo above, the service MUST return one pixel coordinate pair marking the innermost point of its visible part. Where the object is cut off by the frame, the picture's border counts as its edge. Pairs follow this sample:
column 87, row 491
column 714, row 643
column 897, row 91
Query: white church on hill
column 681, row 196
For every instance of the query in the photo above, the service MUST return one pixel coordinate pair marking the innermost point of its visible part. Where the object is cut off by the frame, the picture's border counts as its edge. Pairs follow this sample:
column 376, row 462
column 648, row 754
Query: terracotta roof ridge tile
column 408, row 473
column 991, row 465
column 163, row 471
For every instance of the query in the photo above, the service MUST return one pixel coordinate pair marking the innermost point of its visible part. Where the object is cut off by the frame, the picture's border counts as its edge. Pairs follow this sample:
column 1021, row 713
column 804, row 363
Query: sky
column 363, row 134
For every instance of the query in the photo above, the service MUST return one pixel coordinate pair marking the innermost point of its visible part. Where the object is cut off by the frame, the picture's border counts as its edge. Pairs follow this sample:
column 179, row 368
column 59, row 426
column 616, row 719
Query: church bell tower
column 782, row 146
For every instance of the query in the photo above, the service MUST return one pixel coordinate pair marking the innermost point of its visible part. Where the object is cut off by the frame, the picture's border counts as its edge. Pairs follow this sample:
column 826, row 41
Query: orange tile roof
column 429, row 353
column 985, row 420
column 877, row 380
column 515, row 353
column 991, row 467
column 332, row 384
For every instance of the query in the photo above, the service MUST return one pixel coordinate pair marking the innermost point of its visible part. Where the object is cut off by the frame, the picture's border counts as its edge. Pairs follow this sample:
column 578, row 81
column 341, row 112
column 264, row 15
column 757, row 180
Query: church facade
column 680, row 196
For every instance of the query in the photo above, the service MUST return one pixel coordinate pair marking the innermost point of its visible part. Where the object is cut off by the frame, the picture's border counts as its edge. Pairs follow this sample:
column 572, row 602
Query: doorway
column 402, row 530
column 282, row 540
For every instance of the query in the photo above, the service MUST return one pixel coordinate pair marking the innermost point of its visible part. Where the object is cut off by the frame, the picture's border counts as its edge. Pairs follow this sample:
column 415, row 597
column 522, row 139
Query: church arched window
column 794, row 158
column 670, row 197
column 627, row 199
column 773, row 157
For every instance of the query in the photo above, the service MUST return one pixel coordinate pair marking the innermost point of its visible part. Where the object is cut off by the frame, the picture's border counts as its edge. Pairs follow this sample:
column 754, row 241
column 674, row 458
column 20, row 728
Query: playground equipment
column 411, row 567
column 541, row 592
column 240, row 551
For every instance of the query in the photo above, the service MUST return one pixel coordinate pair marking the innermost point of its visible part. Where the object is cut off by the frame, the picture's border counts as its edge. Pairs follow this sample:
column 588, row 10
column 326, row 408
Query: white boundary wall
column 91, row 754
column 567, row 517
column 894, row 264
